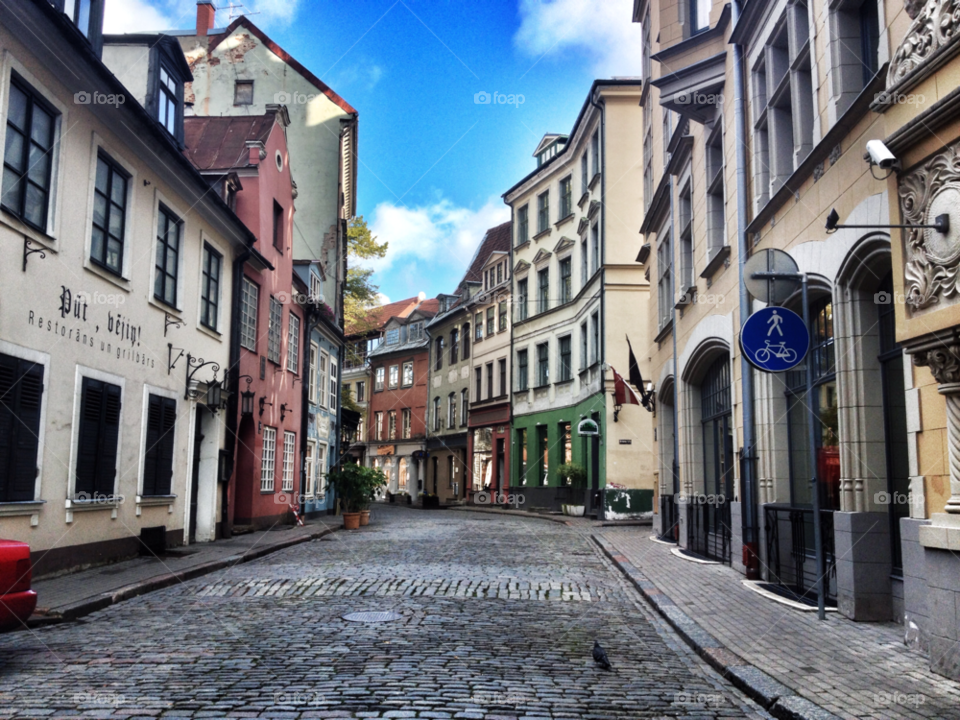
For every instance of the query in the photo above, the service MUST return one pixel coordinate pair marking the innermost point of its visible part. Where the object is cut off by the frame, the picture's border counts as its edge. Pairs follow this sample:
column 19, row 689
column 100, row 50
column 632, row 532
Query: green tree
column 360, row 293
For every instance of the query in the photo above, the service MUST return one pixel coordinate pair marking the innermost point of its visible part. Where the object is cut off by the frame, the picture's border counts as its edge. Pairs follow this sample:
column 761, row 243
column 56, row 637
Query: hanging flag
column 623, row 394
column 633, row 372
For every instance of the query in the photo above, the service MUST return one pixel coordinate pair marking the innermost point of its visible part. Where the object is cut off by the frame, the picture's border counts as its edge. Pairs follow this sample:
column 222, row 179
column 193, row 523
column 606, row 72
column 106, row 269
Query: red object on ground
column 17, row 600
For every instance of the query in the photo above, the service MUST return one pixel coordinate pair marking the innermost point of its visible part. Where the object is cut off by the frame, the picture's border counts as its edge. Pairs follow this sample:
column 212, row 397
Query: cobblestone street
column 497, row 620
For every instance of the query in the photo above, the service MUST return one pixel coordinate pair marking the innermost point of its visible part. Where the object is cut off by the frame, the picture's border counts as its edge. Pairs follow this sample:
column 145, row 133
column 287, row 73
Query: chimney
column 206, row 13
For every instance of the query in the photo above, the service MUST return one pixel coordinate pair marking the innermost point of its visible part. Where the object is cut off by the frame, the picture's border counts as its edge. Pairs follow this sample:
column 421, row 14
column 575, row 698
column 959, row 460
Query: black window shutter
column 21, row 389
column 168, row 419
column 154, row 413
column 109, row 437
column 91, row 411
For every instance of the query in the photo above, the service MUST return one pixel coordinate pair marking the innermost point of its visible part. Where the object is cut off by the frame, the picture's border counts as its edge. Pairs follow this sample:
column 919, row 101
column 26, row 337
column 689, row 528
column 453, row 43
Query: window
column 566, row 352
column 664, row 280
column 316, row 286
column 438, row 351
column 566, row 286
column 273, row 330
column 309, row 469
column 566, row 442
column 277, row 226
column 595, row 149
column 584, row 349
column 543, row 454
column 717, row 431
column 543, row 364
column 415, row 331
column 168, row 253
column 321, row 391
column 648, row 189
column 86, row 15
column 522, row 378
column 454, row 346
column 502, row 315
column 543, row 212
column 522, row 442
column 289, row 448
column 168, row 104
column 408, row 373
column 378, row 379
column 503, row 377
column 523, row 226
column 21, row 390
column 522, row 299
column 855, row 38
column 699, row 16
column 685, row 222
column 566, row 197
column 378, row 425
column 391, row 424
column 584, row 173
column 394, row 376
column 478, row 381
column 362, row 391
column 715, row 196
column 158, row 458
column 464, row 407
column 28, row 160
column 595, row 247
column 249, row 297
column 466, row 341
column 321, row 470
column 784, row 104
column 451, row 411
column 293, row 343
column 595, row 345
column 437, row 420
column 109, row 216
column 243, row 92
column 98, row 437
column 451, row 469
column 268, row 459
column 210, row 288
column 584, row 262
column 405, row 420
column 491, row 328
column 334, row 385
column 312, row 374
column 489, row 380
column 500, row 272
column 543, row 290
column 478, row 326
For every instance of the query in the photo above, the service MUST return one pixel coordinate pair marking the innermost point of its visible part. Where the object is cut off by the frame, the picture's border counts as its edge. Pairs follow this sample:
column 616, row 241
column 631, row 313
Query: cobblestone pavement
column 497, row 620
column 855, row 670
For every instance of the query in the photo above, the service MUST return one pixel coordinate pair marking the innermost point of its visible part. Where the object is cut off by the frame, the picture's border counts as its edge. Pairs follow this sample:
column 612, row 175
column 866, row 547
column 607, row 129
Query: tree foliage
column 360, row 293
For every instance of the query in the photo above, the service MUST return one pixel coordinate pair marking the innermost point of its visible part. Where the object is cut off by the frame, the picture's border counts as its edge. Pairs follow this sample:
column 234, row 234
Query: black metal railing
column 669, row 521
column 799, row 573
column 708, row 528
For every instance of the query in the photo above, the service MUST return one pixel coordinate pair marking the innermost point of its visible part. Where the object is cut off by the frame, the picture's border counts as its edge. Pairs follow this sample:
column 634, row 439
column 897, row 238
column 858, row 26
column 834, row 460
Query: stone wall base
column 862, row 542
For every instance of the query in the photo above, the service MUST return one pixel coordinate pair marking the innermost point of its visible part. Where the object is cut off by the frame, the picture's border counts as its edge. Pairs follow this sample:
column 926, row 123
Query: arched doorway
column 710, row 531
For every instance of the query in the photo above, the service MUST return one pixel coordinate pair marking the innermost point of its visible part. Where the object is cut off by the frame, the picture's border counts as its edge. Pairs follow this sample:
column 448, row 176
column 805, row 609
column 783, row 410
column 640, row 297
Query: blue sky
column 433, row 162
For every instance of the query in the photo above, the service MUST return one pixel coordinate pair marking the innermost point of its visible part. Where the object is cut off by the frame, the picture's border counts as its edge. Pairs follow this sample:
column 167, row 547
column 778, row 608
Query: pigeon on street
column 600, row 655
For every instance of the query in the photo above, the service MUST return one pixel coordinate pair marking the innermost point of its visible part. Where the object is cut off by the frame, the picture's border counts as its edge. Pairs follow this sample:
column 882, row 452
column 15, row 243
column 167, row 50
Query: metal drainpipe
column 304, row 411
column 226, row 527
column 603, row 275
column 748, row 501
column 676, row 369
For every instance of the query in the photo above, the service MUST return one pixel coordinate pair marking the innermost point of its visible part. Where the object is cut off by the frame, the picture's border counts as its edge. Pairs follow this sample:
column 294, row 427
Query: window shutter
column 91, row 406
column 109, row 436
column 8, row 415
column 150, row 456
column 165, row 446
column 21, row 390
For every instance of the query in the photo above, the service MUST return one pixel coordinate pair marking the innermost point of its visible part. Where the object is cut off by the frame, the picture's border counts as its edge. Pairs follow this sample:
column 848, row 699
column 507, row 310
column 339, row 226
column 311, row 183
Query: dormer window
column 168, row 106
column 393, row 336
column 416, row 331
column 87, row 15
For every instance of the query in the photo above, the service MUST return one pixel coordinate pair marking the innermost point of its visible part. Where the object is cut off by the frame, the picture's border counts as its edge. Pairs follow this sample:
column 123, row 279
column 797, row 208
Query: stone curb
column 512, row 513
column 778, row 699
column 72, row 611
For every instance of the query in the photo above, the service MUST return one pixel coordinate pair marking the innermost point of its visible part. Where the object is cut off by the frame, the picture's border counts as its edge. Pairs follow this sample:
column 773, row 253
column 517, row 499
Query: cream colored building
column 577, row 295
column 108, row 341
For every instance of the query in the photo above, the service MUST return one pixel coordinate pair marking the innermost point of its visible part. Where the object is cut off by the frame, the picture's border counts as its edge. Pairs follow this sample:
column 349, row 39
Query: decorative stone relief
column 817, row 171
column 944, row 363
column 835, row 154
column 936, row 23
column 932, row 269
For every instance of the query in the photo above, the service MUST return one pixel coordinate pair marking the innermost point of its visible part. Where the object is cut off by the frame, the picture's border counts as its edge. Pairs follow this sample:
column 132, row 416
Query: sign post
column 781, row 353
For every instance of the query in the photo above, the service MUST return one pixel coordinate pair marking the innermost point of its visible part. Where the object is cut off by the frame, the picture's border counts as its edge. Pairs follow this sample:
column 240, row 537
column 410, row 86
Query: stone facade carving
column 944, row 363
column 932, row 269
column 936, row 24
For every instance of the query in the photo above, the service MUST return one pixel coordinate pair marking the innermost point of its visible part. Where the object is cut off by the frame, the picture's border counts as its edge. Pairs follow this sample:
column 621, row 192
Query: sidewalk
column 580, row 522
column 67, row 597
column 787, row 659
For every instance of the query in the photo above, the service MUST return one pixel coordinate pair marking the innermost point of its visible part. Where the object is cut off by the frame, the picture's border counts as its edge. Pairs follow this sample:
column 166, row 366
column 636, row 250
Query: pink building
column 247, row 162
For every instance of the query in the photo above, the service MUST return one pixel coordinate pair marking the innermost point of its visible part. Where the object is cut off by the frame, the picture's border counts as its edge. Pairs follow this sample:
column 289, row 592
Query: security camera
column 880, row 155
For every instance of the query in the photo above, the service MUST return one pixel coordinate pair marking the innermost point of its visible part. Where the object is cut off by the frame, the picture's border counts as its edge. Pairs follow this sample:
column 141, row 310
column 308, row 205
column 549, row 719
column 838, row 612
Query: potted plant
column 355, row 486
column 575, row 476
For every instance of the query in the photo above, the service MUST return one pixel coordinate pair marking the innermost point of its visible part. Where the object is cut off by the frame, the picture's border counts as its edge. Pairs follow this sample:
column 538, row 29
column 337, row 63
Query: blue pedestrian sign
column 774, row 339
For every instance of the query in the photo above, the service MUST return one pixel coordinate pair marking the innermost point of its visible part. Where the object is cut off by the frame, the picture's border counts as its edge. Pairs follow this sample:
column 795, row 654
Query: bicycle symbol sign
column 774, row 339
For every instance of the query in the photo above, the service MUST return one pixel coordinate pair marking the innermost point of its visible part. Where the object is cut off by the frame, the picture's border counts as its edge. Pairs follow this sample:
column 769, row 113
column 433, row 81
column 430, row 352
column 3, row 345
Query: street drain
column 372, row 617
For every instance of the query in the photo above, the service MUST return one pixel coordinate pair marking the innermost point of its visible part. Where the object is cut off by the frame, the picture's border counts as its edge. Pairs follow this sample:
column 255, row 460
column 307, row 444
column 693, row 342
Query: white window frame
column 309, row 469
column 268, row 459
column 403, row 374
column 248, row 288
column 293, row 343
column 87, row 372
column 289, row 459
column 334, row 385
column 275, row 329
column 312, row 372
column 321, row 392
column 321, row 486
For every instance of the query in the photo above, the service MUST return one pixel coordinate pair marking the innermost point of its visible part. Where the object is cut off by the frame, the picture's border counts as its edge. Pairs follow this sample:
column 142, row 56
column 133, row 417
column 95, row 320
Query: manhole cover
column 372, row 617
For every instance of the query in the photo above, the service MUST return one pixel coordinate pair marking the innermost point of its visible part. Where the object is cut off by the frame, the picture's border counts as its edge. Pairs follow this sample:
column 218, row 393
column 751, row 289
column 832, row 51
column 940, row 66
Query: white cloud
column 603, row 29
column 442, row 235
column 123, row 16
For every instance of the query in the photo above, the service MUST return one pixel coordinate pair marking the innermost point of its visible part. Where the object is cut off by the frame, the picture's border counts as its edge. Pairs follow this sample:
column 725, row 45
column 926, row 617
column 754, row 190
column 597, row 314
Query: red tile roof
column 220, row 143
column 379, row 316
column 497, row 239
column 429, row 307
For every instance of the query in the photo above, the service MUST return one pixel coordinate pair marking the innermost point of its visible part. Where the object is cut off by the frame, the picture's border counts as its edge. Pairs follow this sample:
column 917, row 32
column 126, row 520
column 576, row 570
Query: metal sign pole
column 812, row 421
